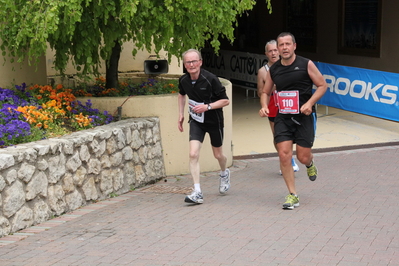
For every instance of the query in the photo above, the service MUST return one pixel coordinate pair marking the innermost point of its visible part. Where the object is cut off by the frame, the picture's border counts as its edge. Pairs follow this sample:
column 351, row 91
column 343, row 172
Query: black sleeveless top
column 293, row 77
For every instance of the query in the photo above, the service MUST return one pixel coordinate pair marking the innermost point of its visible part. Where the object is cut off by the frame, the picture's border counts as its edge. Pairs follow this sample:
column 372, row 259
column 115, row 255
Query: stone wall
column 43, row 179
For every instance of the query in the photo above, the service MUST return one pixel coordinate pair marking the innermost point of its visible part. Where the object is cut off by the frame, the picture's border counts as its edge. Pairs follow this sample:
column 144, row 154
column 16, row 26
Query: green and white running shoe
column 291, row 202
column 312, row 172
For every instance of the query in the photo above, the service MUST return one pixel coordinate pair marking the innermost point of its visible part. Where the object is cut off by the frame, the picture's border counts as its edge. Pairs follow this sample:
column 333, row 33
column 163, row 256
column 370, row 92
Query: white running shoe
column 194, row 197
column 294, row 165
column 224, row 182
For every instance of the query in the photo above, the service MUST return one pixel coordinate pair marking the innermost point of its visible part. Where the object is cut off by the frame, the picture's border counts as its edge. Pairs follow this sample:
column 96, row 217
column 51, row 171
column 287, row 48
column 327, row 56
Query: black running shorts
column 301, row 129
column 198, row 130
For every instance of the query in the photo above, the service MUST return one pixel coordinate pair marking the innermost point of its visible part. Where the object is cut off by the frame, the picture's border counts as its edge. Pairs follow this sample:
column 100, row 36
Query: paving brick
column 346, row 217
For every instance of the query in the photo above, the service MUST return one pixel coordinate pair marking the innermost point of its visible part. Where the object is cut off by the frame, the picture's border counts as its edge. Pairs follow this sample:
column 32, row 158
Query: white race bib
column 197, row 117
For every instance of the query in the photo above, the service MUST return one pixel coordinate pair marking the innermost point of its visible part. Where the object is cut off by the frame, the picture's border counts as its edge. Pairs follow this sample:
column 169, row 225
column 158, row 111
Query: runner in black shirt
column 207, row 96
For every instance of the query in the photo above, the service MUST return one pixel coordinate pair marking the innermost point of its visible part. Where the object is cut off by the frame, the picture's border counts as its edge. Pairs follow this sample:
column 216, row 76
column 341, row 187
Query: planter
column 175, row 143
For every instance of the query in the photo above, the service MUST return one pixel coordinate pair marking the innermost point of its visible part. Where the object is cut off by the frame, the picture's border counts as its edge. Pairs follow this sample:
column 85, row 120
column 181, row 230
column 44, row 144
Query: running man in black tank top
column 272, row 56
column 294, row 77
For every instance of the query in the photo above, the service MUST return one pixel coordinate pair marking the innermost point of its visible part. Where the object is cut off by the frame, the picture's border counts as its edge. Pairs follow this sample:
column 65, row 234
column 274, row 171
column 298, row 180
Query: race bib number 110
column 288, row 102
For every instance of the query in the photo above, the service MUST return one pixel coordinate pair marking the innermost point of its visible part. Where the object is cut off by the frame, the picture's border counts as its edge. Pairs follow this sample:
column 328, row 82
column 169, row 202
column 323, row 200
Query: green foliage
column 130, row 87
column 113, row 195
column 84, row 31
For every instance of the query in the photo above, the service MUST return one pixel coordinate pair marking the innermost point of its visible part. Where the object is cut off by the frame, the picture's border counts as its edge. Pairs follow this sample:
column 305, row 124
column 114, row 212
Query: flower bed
column 127, row 87
column 38, row 112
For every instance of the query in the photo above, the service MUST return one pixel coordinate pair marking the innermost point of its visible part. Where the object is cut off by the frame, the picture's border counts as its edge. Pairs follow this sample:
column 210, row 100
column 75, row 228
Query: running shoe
column 194, row 197
column 224, row 182
column 312, row 172
column 291, row 202
column 294, row 165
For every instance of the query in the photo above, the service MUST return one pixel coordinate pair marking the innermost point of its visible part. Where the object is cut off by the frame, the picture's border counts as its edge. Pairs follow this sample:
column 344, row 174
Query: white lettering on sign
column 362, row 89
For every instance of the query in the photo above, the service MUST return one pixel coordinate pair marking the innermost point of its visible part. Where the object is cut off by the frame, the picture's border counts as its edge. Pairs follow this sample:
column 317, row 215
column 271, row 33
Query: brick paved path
column 348, row 216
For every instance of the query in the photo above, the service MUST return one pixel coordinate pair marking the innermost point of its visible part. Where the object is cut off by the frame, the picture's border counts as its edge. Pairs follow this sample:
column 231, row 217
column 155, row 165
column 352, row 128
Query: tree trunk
column 111, row 74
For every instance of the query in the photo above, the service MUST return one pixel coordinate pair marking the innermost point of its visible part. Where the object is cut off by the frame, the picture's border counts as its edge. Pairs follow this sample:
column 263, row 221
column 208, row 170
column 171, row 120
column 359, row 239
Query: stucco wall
column 18, row 73
column 127, row 63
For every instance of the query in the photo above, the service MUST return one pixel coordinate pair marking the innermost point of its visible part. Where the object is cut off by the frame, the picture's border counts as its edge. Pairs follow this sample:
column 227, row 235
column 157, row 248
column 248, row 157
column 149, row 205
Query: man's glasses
column 194, row 62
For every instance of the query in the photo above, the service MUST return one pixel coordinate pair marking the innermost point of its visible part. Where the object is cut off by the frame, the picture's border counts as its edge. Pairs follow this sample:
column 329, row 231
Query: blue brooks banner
column 364, row 91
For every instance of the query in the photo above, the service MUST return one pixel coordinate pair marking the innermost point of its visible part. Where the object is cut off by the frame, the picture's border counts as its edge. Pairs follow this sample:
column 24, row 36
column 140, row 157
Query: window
column 301, row 22
column 360, row 27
